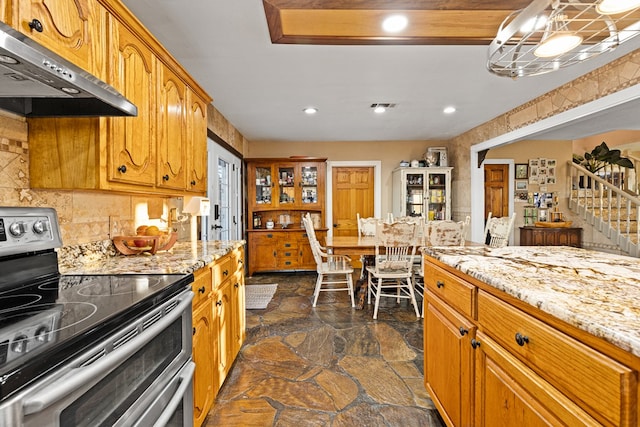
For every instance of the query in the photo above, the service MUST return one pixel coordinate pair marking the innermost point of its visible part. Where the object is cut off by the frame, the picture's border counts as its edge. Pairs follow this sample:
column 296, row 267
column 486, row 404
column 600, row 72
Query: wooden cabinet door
column 261, row 191
column 510, row 394
column 224, row 317
column 238, row 304
column 203, row 377
column 172, row 145
column 132, row 139
column 262, row 250
column 69, row 28
column 197, row 144
column 448, row 361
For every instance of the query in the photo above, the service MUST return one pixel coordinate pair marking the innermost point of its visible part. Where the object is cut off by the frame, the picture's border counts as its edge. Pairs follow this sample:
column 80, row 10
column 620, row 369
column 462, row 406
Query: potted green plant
column 600, row 157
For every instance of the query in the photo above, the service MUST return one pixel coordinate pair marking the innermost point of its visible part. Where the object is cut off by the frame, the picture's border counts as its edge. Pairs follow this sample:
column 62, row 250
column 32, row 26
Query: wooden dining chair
column 498, row 230
column 438, row 233
column 391, row 276
column 333, row 270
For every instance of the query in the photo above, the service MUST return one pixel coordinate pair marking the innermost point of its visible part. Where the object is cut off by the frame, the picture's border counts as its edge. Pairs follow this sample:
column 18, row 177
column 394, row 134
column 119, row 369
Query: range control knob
column 17, row 229
column 42, row 334
column 40, row 227
column 19, row 344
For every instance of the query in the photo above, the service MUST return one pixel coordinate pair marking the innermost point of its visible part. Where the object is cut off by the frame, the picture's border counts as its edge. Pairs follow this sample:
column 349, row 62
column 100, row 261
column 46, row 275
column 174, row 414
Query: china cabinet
column 280, row 191
column 422, row 192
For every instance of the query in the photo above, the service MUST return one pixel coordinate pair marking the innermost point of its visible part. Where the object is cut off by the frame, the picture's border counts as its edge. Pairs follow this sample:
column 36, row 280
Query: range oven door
column 123, row 380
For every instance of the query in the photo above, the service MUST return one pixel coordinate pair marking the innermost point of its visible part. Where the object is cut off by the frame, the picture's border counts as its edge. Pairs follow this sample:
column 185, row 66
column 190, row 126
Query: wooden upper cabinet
column 172, row 144
column 67, row 27
column 197, row 133
column 133, row 139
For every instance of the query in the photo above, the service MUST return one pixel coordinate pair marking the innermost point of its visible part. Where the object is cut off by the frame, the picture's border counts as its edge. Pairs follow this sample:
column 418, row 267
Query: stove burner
column 115, row 285
column 17, row 302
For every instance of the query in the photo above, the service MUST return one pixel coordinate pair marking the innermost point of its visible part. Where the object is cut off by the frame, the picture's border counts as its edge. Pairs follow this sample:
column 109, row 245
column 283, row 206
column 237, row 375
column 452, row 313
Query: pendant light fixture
column 613, row 7
column 551, row 34
column 557, row 39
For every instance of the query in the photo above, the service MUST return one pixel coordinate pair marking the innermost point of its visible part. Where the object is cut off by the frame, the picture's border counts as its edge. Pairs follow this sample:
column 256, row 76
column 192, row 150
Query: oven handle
column 77, row 377
column 185, row 382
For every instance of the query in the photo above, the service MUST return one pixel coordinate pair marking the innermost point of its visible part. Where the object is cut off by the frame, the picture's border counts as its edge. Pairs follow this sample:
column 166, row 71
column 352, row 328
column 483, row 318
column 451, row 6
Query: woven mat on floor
column 257, row 297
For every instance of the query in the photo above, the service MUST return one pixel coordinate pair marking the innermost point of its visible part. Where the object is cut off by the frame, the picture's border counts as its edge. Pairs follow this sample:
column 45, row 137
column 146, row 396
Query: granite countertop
column 593, row 291
column 182, row 258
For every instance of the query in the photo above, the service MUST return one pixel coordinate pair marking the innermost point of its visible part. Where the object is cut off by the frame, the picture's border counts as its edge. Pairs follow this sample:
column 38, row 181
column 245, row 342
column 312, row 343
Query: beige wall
column 390, row 153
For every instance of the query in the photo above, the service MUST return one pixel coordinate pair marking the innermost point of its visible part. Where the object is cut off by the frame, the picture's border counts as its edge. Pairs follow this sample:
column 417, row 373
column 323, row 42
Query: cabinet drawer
column 600, row 385
column 202, row 285
column 451, row 289
column 223, row 269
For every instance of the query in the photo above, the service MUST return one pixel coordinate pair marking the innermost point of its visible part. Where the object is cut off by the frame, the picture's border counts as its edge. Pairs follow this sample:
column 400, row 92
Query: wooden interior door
column 496, row 190
column 353, row 193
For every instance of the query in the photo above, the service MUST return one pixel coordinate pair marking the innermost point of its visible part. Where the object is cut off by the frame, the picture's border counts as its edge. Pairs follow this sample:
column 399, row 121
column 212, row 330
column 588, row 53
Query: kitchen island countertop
column 182, row 258
column 593, row 291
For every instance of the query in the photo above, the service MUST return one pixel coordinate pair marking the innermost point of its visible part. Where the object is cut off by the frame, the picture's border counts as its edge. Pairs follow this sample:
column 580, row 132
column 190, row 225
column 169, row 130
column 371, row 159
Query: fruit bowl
column 133, row 245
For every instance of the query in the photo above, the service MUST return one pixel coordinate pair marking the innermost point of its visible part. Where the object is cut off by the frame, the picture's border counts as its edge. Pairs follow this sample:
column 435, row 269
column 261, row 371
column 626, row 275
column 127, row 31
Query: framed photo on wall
column 522, row 171
column 522, row 185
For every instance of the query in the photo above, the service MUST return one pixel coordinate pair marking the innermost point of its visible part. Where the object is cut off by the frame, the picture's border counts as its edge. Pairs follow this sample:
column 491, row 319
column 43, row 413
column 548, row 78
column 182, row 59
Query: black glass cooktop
column 47, row 321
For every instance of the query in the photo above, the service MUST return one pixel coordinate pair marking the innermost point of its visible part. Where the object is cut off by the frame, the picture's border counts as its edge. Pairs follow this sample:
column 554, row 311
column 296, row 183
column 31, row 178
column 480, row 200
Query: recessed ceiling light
column 310, row 110
column 381, row 107
column 395, row 23
column 449, row 110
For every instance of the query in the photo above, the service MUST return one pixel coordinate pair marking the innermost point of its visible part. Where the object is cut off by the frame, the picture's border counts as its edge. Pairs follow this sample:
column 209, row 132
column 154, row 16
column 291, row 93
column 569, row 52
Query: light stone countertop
column 182, row 258
column 593, row 291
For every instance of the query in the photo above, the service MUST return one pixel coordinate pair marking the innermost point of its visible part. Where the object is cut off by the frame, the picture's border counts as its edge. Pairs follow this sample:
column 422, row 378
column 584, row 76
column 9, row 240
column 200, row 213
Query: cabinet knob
column 237, row 285
column 475, row 343
column 521, row 339
column 225, row 273
column 194, row 331
column 36, row 25
column 193, row 182
column 122, row 169
column 440, row 284
column 165, row 177
column 219, row 303
column 201, row 290
column 463, row 331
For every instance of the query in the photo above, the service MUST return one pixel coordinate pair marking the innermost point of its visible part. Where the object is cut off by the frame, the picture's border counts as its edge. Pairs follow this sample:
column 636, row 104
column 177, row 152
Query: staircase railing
column 602, row 200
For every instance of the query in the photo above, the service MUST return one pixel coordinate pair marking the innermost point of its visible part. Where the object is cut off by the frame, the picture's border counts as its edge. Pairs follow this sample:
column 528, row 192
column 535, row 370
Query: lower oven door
column 118, row 384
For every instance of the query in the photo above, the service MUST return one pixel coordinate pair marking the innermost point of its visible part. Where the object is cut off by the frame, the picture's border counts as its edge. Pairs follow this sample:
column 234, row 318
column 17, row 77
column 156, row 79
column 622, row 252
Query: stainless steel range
column 90, row 350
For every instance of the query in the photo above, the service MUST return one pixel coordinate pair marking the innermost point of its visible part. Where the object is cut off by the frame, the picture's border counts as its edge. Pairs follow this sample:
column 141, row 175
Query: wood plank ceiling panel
column 435, row 22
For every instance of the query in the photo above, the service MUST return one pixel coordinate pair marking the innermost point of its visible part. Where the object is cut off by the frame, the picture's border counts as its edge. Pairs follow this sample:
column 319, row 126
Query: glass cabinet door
column 309, row 185
column 437, row 196
column 287, row 185
column 415, row 194
column 264, row 184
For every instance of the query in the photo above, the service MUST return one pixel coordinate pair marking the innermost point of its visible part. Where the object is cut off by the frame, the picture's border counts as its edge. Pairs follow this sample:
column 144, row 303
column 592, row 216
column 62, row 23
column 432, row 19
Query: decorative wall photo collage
column 540, row 171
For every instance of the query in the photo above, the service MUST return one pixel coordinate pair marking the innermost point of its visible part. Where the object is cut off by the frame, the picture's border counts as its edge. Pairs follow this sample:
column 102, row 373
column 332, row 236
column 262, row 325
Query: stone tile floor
column 331, row 365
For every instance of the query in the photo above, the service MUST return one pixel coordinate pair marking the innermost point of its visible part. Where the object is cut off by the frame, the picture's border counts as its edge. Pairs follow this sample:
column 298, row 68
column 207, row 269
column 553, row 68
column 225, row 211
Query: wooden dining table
column 364, row 246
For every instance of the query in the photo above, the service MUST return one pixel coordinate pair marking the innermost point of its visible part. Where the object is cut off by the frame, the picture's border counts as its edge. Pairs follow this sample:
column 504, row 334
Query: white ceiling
column 261, row 88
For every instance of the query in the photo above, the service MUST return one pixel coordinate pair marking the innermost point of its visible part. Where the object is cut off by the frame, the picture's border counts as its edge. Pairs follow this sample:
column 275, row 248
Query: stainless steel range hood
column 35, row 82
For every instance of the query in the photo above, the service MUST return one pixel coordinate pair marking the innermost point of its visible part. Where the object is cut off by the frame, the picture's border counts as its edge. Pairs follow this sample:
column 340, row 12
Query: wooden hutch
column 279, row 192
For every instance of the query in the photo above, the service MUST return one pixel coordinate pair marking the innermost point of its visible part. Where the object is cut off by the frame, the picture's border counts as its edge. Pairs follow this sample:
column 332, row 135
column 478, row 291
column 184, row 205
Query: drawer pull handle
column 463, row 331
column 440, row 284
column 201, row 290
column 475, row 343
column 521, row 339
